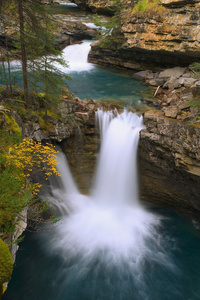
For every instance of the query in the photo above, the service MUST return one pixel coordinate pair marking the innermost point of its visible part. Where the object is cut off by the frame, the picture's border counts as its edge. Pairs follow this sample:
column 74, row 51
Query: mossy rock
column 12, row 125
column 6, row 265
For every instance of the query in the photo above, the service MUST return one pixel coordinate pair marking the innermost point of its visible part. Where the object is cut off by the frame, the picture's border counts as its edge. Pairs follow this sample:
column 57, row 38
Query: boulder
column 156, row 82
column 171, row 111
column 186, row 94
column 144, row 75
column 187, row 81
column 183, row 105
column 175, row 72
column 172, row 83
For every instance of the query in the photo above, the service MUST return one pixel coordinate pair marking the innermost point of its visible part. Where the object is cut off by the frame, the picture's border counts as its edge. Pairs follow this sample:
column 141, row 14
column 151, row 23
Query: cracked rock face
column 172, row 29
column 170, row 162
column 166, row 36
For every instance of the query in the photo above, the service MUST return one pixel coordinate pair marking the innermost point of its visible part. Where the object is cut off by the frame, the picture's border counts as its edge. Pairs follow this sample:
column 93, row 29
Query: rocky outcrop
column 70, row 32
column 21, row 225
column 73, row 114
column 177, row 92
column 166, row 35
column 170, row 162
column 170, row 147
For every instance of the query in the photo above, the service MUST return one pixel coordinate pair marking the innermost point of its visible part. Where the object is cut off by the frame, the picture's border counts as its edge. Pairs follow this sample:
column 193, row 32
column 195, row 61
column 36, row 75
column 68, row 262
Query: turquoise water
column 64, row 9
column 43, row 275
column 101, row 84
column 106, row 84
column 93, row 81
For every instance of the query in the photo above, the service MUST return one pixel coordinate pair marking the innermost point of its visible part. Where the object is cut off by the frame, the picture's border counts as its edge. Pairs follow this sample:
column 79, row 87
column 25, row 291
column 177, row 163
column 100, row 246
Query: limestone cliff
column 165, row 35
column 170, row 162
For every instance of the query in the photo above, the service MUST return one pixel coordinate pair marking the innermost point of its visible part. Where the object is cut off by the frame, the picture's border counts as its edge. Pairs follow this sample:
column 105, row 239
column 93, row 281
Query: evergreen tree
column 23, row 49
column 36, row 44
column 43, row 57
column 5, row 7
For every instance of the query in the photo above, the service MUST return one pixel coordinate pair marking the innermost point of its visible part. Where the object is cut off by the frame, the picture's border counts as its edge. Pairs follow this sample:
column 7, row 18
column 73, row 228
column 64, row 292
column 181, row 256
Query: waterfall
column 67, row 3
column 116, row 178
column 109, row 223
column 77, row 57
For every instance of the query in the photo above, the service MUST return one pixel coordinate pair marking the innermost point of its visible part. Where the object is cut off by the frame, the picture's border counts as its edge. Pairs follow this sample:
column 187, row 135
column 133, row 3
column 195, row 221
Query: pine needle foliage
column 37, row 46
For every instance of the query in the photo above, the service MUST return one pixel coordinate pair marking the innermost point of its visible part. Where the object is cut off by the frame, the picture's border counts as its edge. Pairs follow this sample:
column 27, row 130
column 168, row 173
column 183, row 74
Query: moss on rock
column 12, row 125
column 6, row 265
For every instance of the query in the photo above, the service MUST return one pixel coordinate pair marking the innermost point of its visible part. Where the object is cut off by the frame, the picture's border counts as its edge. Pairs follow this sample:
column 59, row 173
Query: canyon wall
column 169, row 151
column 162, row 36
column 169, row 156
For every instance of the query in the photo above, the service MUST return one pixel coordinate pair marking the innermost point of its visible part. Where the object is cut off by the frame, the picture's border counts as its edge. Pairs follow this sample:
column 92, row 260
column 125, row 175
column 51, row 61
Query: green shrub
column 145, row 5
column 6, row 265
column 195, row 67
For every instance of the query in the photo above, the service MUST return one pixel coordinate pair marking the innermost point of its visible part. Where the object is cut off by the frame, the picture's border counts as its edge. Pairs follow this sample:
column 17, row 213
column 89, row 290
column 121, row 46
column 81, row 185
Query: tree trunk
column 8, row 61
column 23, row 52
column 4, row 72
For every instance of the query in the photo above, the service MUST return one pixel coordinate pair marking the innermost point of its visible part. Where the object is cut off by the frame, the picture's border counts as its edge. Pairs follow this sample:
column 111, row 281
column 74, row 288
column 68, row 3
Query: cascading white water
column 103, row 120
column 77, row 57
column 67, row 3
column 110, row 223
column 116, row 179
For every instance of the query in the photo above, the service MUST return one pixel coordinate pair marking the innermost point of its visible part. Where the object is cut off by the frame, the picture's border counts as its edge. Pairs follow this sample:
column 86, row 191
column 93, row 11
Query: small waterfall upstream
column 77, row 57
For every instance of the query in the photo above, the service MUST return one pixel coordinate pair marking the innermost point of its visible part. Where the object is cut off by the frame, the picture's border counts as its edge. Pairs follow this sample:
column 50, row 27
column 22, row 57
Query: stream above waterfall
column 93, row 81
column 100, row 83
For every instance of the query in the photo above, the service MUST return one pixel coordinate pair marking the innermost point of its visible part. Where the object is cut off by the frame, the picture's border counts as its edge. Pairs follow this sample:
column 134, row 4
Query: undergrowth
column 144, row 5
